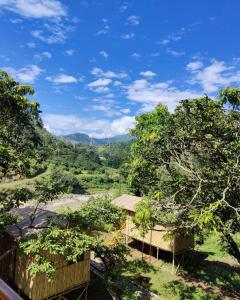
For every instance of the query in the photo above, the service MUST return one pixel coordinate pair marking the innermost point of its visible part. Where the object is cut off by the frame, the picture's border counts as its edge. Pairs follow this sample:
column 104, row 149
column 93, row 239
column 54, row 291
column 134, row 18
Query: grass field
column 207, row 274
column 25, row 182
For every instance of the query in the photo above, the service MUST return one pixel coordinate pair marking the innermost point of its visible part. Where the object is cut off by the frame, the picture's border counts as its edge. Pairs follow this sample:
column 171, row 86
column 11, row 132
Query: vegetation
column 19, row 120
column 87, row 140
column 116, row 154
column 187, row 162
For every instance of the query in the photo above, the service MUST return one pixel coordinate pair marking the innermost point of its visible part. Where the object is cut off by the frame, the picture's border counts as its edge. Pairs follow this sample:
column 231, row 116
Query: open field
column 25, row 182
column 207, row 274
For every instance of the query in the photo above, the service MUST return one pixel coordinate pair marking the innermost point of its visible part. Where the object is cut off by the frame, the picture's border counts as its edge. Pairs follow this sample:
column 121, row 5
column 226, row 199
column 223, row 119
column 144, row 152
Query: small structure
column 155, row 236
column 14, row 266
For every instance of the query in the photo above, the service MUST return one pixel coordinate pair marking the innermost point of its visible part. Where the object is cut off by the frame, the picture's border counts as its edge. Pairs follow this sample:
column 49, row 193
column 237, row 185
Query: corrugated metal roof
column 127, row 202
column 22, row 228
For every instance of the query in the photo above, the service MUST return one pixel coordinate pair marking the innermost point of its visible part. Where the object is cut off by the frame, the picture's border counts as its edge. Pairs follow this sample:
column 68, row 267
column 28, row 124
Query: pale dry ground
column 68, row 201
column 64, row 201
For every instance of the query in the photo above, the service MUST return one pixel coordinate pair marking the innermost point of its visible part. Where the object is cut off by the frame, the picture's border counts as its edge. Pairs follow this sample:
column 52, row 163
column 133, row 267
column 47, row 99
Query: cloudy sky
column 96, row 64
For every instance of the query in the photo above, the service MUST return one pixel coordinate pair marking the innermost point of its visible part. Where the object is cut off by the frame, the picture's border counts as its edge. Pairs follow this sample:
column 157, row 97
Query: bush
column 67, row 180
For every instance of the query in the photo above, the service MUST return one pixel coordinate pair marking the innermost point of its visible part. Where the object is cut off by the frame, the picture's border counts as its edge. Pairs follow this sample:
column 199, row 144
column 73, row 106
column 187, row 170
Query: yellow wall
column 155, row 237
column 66, row 277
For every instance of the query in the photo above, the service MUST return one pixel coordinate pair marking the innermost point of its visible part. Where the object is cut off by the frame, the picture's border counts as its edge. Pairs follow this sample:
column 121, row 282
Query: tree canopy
column 187, row 163
column 19, row 118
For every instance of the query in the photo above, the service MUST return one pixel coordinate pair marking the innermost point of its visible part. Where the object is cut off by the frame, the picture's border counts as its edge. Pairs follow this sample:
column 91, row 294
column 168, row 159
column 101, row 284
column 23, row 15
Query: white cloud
column 62, row 79
column 103, row 31
column 5, row 58
column 70, row 52
column 122, row 125
column 51, row 39
column 108, row 74
column 150, row 94
column 99, row 82
column 218, row 74
column 63, row 124
column 171, row 38
column 27, row 74
column 133, row 20
column 136, row 55
column 55, row 33
column 175, row 53
column 101, row 89
column 104, row 54
column 80, row 97
column 31, row 45
column 111, row 95
column 35, row 8
column 123, row 8
column 125, row 110
column 105, row 108
column 15, row 21
column 43, row 55
column 164, row 42
column 195, row 65
column 118, row 83
column 105, row 28
column 128, row 36
column 148, row 74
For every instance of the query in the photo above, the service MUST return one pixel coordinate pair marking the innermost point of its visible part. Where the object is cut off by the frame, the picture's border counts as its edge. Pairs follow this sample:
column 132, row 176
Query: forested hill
column 80, row 156
column 61, row 152
column 85, row 139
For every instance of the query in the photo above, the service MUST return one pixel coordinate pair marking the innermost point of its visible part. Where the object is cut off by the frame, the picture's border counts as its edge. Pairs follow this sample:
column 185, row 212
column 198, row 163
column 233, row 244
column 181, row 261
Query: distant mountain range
column 85, row 139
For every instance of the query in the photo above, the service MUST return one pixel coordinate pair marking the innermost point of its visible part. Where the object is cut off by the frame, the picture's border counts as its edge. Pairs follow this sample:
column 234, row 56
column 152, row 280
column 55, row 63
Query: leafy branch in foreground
column 69, row 243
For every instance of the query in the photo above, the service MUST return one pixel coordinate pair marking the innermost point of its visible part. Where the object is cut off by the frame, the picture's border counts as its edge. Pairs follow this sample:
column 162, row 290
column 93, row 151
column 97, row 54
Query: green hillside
column 85, row 139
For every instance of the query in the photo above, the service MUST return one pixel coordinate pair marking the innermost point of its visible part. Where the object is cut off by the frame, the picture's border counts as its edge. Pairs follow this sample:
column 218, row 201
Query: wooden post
column 142, row 248
column 150, row 249
column 173, row 262
column 127, row 230
column 86, row 294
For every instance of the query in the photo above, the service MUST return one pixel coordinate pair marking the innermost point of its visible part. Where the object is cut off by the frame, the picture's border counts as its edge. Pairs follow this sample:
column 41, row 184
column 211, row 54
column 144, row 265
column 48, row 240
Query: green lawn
column 208, row 274
column 25, row 182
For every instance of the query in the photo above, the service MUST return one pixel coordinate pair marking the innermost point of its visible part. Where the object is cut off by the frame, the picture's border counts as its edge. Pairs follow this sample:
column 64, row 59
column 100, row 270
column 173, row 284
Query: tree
column 19, row 123
column 19, row 118
column 187, row 163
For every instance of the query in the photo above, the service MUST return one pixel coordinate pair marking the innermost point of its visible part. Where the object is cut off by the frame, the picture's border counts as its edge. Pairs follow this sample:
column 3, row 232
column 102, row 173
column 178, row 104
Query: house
column 14, row 265
column 156, row 236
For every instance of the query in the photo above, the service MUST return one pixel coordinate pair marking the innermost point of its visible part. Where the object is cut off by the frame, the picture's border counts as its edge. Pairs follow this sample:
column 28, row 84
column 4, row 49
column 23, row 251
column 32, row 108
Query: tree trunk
column 232, row 246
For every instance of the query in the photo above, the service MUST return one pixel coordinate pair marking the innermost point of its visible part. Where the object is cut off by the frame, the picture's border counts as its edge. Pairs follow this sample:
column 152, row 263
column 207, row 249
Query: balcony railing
column 7, row 293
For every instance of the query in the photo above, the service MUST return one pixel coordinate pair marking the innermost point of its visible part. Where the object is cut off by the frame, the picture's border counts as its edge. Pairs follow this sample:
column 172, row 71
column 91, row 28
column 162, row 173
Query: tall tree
column 187, row 162
column 19, row 118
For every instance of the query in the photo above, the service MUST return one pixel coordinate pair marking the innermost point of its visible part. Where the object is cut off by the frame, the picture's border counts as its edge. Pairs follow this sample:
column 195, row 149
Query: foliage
column 71, row 233
column 116, row 154
column 188, row 164
column 68, row 243
column 10, row 199
column 96, row 180
column 97, row 214
column 69, row 155
column 69, row 182
column 19, row 118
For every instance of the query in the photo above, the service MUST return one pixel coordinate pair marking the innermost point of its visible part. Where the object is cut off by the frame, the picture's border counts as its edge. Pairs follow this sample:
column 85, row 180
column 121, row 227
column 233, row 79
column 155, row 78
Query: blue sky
column 96, row 64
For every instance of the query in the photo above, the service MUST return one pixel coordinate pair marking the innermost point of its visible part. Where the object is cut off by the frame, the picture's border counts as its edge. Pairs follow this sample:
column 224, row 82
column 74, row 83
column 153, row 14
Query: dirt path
column 68, row 201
